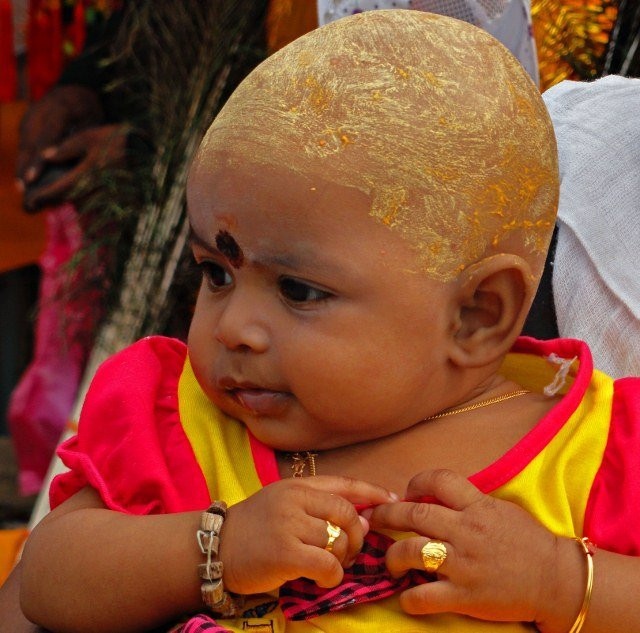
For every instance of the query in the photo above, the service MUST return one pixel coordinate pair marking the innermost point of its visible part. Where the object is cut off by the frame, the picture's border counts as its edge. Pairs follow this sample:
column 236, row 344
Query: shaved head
column 431, row 118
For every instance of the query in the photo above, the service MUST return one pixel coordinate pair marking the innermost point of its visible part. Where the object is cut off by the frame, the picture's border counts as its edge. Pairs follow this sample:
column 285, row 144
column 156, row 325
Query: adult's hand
column 88, row 150
column 49, row 120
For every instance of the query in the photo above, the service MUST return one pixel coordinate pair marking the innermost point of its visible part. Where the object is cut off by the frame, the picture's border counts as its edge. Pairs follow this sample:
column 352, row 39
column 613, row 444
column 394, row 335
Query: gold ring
column 333, row 532
column 434, row 553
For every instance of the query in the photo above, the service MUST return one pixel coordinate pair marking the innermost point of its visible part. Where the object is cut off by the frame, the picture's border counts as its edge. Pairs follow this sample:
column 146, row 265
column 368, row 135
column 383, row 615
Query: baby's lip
column 261, row 401
column 228, row 383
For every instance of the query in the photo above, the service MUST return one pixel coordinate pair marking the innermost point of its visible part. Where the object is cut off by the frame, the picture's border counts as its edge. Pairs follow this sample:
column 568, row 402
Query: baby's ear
column 492, row 301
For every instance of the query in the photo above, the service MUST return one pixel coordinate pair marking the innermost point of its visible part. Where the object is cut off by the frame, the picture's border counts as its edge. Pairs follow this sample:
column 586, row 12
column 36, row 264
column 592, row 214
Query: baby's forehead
column 279, row 218
column 429, row 117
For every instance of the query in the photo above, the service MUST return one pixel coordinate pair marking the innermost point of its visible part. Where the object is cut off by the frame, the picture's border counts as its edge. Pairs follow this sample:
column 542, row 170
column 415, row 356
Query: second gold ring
column 434, row 554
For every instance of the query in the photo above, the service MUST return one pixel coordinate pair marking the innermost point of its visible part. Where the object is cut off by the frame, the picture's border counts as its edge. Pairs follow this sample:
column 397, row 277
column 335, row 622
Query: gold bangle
column 589, row 550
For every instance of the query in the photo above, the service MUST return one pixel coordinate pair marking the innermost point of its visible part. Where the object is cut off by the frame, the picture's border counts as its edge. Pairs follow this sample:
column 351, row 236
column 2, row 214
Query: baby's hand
column 501, row 564
column 280, row 533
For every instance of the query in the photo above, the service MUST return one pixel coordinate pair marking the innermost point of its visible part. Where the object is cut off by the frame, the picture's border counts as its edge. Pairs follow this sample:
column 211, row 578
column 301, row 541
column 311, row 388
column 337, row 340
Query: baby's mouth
column 261, row 401
column 254, row 398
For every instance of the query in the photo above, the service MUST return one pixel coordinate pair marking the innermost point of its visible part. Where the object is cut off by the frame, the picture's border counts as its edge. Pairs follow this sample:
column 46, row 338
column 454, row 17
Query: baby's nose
column 248, row 338
column 239, row 329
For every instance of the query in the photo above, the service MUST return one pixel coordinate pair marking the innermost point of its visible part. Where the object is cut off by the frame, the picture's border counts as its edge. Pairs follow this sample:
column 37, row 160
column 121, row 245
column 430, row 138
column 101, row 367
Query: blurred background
column 102, row 105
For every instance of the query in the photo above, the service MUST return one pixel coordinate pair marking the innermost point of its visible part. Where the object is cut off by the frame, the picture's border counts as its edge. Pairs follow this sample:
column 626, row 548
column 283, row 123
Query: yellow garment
column 553, row 486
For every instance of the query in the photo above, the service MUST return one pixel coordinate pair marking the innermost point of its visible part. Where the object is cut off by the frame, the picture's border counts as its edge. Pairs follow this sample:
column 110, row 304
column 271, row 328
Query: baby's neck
column 466, row 442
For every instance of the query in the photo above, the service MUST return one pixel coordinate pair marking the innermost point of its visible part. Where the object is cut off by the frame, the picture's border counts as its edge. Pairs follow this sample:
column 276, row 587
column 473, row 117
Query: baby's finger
column 341, row 513
column 427, row 519
column 447, row 486
column 433, row 597
column 320, row 566
column 354, row 490
column 407, row 554
column 321, row 534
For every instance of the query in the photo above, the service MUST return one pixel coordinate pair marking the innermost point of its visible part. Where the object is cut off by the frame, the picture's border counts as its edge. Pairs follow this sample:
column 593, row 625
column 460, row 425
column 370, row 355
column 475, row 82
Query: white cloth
column 596, row 277
column 509, row 21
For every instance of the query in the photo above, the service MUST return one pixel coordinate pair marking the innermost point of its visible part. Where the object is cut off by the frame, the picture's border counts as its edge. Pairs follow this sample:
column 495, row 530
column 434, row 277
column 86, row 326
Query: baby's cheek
column 347, row 393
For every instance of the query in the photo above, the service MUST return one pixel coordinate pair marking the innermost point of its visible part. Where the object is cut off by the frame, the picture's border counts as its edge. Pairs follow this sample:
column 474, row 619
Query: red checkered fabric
column 367, row 580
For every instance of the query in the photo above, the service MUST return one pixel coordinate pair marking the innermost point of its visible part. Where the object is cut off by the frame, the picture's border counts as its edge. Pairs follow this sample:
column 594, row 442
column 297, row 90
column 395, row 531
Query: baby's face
column 313, row 324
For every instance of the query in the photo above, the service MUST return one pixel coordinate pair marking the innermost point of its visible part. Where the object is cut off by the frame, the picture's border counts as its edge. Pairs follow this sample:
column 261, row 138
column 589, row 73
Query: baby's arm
column 12, row 619
column 614, row 605
column 87, row 568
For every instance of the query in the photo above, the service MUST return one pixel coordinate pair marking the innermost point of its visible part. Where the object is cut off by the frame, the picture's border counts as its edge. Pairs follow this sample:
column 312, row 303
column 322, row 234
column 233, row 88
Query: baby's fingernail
column 365, row 524
column 30, row 174
column 366, row 515
column 50, row 152
column 394, row 496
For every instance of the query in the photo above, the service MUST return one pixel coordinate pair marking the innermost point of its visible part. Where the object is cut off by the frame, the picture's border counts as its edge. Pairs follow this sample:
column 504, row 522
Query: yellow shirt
column 553, row 485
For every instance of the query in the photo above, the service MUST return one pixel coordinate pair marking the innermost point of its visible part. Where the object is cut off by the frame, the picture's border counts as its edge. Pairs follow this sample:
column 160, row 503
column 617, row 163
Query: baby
column 370, row 211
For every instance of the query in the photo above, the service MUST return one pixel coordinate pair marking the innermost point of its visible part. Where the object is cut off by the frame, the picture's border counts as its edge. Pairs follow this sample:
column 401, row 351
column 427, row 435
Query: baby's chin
column 283, row 436
column 292, row 431
column 292, row 436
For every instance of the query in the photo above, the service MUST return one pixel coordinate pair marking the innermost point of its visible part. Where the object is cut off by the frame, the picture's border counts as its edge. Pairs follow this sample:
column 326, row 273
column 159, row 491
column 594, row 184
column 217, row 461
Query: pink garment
column 41, row 403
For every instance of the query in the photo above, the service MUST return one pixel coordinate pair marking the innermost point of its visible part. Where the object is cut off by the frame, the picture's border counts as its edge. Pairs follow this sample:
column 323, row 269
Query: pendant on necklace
column 300, row 461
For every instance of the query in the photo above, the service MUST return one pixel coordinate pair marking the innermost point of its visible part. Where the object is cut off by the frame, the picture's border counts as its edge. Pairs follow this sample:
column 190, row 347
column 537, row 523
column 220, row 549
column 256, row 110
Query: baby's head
column 372, row 209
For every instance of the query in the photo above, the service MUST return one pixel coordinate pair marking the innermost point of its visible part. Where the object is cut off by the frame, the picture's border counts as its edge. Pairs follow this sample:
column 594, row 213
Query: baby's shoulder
column 612, row 516
column 130, row 446
column 135, row 378
column 623, row 443
column 154, row 354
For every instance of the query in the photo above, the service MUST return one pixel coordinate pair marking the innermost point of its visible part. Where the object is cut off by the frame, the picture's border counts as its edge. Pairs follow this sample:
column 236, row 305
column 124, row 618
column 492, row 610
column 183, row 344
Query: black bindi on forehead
column 228, row 246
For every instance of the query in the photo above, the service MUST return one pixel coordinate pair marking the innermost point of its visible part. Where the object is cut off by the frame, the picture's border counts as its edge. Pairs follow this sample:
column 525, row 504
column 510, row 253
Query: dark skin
column 65, row 126
column 12, row 619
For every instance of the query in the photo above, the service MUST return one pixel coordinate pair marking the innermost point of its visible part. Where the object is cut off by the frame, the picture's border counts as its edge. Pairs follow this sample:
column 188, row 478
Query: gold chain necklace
column 479, row 405
column 300, row 460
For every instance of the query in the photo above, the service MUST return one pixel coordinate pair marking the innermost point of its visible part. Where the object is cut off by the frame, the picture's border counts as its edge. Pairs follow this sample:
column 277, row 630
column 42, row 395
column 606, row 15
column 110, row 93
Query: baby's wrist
column 562, row 601
column 213, row 591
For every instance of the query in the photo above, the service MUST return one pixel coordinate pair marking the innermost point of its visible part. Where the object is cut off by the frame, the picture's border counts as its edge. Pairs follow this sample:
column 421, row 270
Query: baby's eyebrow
column 225, row 245
column 195, row 238
column 291, row 261
column 280, row 261
column 306, row 262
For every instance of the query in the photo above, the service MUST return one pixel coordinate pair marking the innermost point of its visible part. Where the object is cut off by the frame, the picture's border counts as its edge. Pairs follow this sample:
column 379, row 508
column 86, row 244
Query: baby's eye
column 296, row 291
column 215, row 275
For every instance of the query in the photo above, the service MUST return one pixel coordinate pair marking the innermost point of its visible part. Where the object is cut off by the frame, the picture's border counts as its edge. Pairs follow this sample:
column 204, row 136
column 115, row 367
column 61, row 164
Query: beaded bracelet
column 589, row 550
column 213, row 594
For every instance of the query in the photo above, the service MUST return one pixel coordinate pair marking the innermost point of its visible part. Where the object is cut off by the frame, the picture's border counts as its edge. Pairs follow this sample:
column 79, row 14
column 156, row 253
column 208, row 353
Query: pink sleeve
column 612, row 516
column 130, row 445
